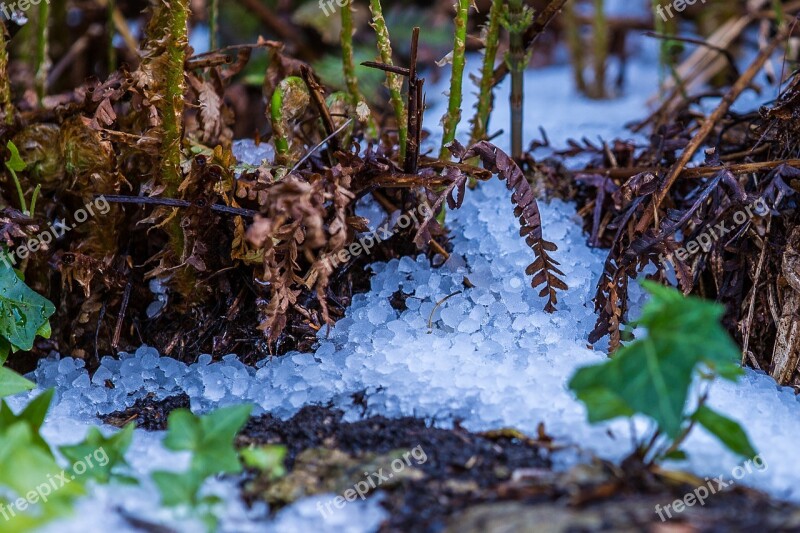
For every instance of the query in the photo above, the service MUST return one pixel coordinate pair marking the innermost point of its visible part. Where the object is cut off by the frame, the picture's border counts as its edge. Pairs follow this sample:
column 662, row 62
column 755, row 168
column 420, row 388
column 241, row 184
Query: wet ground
column 432, row 479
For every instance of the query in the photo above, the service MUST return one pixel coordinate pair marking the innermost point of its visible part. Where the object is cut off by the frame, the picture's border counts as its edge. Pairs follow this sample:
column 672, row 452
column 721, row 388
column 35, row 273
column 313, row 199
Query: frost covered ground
column 493, row 357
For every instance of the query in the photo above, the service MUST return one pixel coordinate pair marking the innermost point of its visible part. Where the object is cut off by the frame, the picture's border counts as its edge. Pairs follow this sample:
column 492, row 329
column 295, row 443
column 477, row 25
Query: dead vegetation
column 200, row 254
column 649, row 208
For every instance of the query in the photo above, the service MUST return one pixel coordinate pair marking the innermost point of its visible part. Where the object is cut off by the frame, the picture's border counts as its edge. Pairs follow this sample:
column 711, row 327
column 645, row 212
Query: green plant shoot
column 654, row 375
column 209, row 438
column 451, row 120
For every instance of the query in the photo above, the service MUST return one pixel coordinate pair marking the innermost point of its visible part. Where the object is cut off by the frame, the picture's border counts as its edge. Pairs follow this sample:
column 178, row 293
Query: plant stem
column 414, row 108
column 6, row 107
column 349, row 66
column 480, row 123
column 213, row 24
column 290, row 100
column 575, row 45
column 34, row 197
column 278, row 131
column 393, row 82
column 167, row 35
column 600, row 32
column 348, row 63
column 22, row 203
column 42, row 65
column 453, row 116
column 517, row 59
column 177, row 17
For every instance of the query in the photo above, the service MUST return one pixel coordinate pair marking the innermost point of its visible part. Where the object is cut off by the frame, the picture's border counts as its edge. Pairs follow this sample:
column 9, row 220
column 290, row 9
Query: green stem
column 280, row 140
column 453, row 116
column 393, row 81
column 213, row 24
column 349, row 66
column 22, row 203
column 42, row 65
column 167, row 35
column 348, row 63
column 6, row 107
column 600, row 31
column 575, row 45
column 35, row 197
column 177, row 17
column 290, row 100
column 480, row 123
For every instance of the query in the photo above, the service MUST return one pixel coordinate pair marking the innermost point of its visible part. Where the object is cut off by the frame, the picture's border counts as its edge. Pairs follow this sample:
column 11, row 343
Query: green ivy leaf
column 210, row 440
column 45, row 331
column 643, row 378
column 25, row 466
column 12, row 383
column 15, row 163
column 23, row 312
column 107, row 454
column 33, row 414
column 29, row 470
column 654, row 374
column 184, row 431
column 178, row 488
column 209, row 437
column 728, row 431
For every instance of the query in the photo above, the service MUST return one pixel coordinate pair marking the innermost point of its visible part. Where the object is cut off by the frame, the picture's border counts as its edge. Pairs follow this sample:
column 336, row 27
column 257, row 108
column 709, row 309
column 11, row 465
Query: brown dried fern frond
column 544, row 269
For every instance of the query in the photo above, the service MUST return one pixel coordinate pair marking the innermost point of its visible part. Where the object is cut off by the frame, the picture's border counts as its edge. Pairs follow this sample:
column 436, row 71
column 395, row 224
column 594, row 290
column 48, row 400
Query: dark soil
column 474, row 482
column 493, row 482
column 148, row 413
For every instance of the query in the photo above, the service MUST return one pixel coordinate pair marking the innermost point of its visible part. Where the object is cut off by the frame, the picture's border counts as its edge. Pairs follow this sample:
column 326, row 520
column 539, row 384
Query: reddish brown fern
column 544, row 269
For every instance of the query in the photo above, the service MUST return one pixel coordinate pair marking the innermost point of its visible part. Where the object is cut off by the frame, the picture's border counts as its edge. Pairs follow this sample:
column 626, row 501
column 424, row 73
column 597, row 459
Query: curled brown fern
column 544, row 269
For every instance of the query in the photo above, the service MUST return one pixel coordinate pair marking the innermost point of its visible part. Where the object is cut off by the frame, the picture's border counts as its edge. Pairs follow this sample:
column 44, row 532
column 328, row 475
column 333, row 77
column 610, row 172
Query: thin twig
column 321, row 143
column 172, row 202
column 318, row 96
column 401, row 71
column 751, row 307
column 123, row 309
column 691, row 173
column 438, row 304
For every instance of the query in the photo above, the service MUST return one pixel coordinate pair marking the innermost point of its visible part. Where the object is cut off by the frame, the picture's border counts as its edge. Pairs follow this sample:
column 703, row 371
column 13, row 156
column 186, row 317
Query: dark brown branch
column 318, row 96
column 402, row 71
column 414, row 111
column 172, row 202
